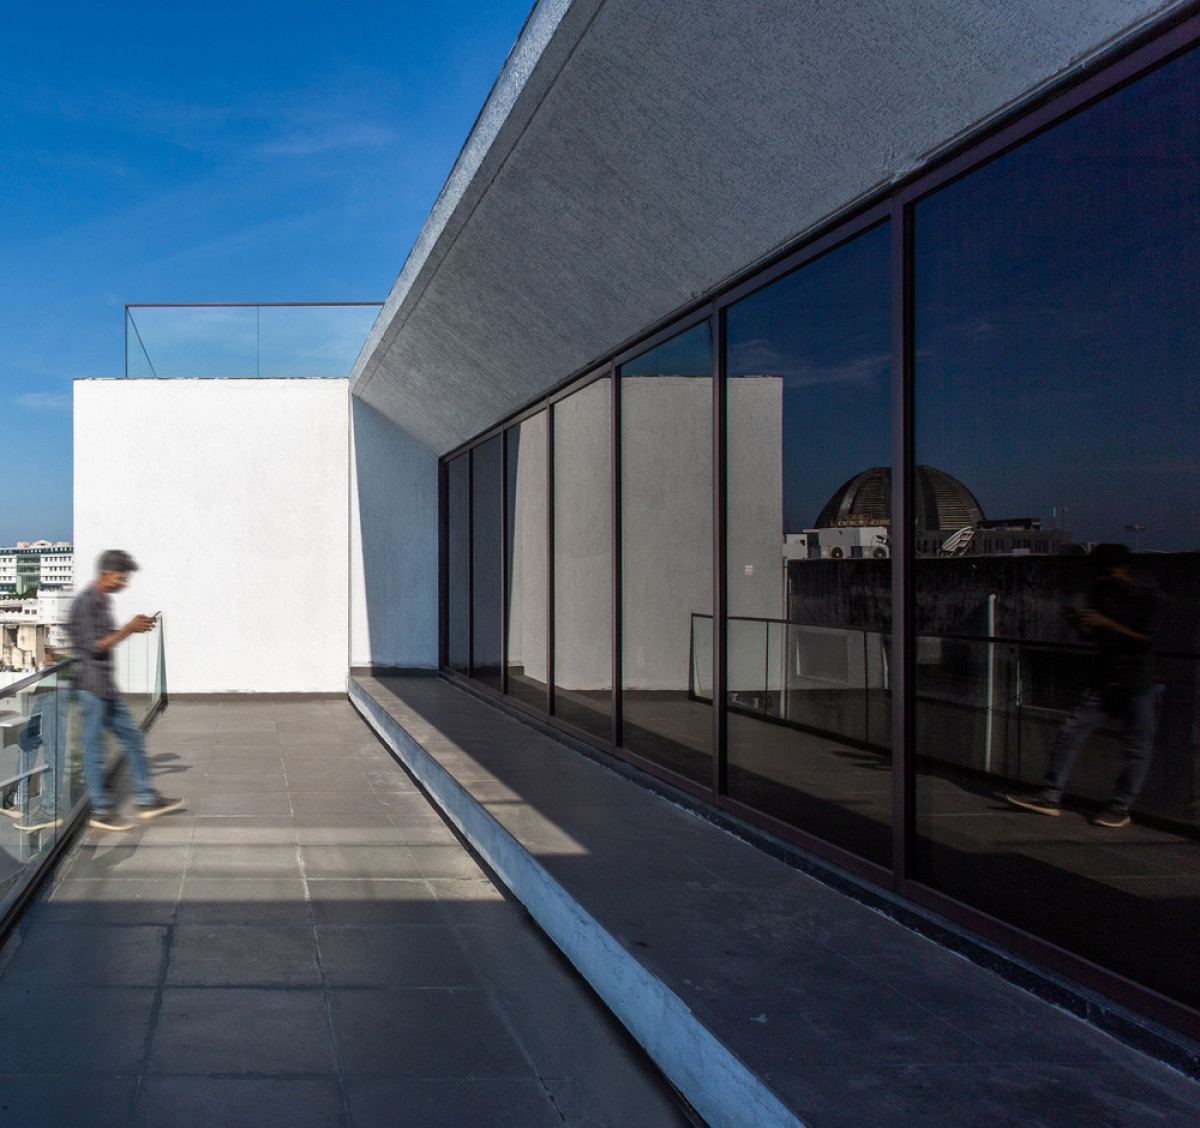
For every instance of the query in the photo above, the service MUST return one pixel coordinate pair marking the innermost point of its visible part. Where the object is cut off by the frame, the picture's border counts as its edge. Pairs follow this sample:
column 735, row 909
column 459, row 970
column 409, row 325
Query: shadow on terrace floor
column 306, row 944
column 846, row 1016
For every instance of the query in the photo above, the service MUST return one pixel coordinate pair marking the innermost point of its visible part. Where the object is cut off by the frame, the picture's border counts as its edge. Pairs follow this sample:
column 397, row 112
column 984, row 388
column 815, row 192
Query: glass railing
column 310, row 339
column 43, row 796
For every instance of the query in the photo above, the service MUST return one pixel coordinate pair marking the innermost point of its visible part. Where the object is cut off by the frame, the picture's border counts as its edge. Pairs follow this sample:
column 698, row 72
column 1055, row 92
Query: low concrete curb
column 716, row 1083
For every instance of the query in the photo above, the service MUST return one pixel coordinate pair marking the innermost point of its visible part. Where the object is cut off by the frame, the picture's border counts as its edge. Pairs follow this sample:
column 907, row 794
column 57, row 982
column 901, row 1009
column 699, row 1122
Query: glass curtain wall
column 583, row 558
column 527, row 573
column 458, row 563
column 1057, row 354
column 486, row 553
column 1055, row 538
column 667, row 553
column 808, row 364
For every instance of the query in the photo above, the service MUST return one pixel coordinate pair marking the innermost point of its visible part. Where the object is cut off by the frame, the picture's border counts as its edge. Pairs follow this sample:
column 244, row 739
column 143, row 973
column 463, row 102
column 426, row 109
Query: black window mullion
column 903, row 649
column 505, row 556
column 719, row 529
column 444, row 563
column 550, row 563
column 617, row 672
column 471, row 563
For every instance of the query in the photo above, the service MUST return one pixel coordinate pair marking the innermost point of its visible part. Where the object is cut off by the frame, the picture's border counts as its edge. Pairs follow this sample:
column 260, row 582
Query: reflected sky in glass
column 1057, row 327
column 825, row 331
column 688, row 354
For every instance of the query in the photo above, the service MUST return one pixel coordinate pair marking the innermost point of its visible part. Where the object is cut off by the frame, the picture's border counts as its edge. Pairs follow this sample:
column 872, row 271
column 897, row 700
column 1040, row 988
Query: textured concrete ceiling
column 634, row 154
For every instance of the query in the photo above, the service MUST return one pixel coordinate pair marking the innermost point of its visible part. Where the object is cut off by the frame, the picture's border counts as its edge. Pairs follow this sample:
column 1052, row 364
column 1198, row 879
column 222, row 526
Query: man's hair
column 116, row 560
column 1106, row 556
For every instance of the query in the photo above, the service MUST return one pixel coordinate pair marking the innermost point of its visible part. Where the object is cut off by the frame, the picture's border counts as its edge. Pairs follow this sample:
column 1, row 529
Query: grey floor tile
column 589, row 1101
column 596, row 1071
column 243, row 831
column 258, row 955
column 233, row 861
column 121, row 856
column 248, row 900
column 88, row 955
column 328, row 782
column 814, row 1013
column 376, row 829
column 469, row 1103
column 79, row 1030
column 342, row 806
column 422, row 832
column 395, row 901
column 1132, row 1094
column 1015, row 1026
column 359, row 861
column 110, row 900
column 268, row 804
column 476, row 902
column 439, row 1033
column 445, row 861
column 65, row 1101
column 239, row 1031
column 220, row 782
column 402, row 955
column 205, row 1102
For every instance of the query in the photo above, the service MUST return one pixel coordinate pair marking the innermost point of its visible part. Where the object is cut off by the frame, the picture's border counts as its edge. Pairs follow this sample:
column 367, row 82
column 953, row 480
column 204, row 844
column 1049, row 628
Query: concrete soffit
column 527, row 74
column 633, row 156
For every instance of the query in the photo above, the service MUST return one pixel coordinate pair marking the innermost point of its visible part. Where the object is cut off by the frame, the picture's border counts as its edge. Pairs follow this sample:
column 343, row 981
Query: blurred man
column 1119, row 618
column 100, row 704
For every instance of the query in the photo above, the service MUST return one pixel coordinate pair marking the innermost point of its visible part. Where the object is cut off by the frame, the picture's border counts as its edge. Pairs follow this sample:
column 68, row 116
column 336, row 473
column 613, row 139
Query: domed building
column 949, row 521
column 942, row 502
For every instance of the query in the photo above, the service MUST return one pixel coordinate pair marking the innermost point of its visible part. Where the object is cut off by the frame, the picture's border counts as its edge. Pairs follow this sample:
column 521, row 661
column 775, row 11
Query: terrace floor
column 840, row 1016
column 308, row 943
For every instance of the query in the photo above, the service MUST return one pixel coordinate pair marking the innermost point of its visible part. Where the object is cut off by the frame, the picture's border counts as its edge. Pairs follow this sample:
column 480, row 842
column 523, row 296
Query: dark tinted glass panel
column 1057, row 352
column 458, row 563
column 809, row 573
column 528, row 560
column 486, row 492
column 666, row 554
column 583, row 558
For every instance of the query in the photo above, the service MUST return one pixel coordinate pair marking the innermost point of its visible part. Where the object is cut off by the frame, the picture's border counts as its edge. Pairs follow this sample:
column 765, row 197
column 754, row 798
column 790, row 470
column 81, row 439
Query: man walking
column 1119, row 618
column 100, row 704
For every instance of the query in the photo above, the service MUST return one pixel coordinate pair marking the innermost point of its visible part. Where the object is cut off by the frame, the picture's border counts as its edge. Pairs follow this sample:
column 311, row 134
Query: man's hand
column 1089, row 620
column 140, row 624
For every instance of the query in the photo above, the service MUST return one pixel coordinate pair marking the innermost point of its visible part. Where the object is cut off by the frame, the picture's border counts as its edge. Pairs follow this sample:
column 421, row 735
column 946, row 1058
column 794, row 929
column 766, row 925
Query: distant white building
column 37, row 566
column 29, row 627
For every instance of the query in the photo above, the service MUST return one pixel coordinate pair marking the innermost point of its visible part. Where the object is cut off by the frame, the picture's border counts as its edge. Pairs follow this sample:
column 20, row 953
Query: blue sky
column 207, row 152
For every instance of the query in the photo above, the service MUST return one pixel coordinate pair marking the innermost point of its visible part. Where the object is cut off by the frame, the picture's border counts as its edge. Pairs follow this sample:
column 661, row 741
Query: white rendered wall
column 393, row 545
column 233, row 497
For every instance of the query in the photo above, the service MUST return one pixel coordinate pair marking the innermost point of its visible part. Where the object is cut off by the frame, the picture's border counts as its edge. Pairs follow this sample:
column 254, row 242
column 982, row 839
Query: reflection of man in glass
column 1118, row 618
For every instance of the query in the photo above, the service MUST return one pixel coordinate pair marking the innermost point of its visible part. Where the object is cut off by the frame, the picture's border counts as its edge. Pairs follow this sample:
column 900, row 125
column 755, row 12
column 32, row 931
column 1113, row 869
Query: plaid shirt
column 91, row 619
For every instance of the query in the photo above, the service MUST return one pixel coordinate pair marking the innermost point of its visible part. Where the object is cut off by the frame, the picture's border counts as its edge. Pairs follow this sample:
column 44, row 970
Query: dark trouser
column 100, row 713
column 1137, row 742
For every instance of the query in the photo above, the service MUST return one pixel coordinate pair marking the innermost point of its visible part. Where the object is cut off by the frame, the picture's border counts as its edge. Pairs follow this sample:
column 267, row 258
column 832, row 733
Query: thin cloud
column 308, row 143
column 44, row 401
column 762, row 357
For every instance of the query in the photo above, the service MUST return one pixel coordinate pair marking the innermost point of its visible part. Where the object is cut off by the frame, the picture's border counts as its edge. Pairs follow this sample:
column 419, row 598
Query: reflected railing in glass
column 830, row 680
column 992, row 708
